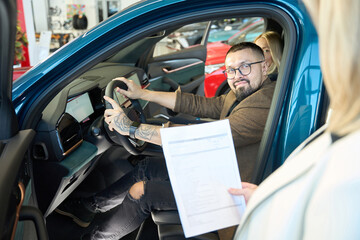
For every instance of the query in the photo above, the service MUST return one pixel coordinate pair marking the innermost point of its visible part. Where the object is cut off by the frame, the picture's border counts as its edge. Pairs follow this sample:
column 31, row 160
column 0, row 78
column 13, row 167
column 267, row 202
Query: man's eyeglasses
column 244, row 69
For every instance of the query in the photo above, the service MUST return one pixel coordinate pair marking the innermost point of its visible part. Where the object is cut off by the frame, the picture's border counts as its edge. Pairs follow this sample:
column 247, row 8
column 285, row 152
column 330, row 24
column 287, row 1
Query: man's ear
column 265, row 67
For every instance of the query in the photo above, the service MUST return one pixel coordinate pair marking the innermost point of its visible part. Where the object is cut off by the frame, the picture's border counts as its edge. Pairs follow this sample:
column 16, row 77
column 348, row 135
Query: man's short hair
column 245, row 45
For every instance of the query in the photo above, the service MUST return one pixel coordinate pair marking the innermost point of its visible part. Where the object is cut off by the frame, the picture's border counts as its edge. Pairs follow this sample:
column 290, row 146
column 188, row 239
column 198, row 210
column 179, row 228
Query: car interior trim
column 180, row 68
column 72, row 148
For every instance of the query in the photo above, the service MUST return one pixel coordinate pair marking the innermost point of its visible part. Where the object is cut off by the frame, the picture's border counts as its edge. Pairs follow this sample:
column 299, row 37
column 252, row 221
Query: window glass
column 248, row 31
column 222, row 30
column 185, row 37
column 228, row 31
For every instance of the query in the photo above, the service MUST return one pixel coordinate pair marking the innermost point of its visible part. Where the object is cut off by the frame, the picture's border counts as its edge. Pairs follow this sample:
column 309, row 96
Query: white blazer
column 314, row 195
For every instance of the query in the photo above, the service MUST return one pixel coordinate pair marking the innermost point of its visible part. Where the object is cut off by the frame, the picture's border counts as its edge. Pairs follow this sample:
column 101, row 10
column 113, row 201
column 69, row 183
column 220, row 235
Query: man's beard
column 244, row 92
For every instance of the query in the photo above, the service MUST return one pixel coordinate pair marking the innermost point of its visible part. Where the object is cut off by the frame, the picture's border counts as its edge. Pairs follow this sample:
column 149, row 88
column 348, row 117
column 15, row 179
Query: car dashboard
column 70, row 135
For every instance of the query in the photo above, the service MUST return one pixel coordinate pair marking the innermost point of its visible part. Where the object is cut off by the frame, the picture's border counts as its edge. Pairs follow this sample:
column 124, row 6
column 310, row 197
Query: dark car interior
column 75, row 155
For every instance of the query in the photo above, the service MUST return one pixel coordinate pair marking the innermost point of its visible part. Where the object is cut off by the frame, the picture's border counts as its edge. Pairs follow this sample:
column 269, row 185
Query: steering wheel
column 134, row 112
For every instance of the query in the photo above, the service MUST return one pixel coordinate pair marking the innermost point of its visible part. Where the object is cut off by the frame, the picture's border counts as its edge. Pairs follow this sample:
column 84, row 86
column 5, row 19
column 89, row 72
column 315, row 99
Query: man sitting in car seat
column 147, row 187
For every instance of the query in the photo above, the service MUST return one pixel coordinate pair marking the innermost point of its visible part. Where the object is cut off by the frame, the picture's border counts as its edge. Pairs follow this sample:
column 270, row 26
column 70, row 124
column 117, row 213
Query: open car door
column 13, row 143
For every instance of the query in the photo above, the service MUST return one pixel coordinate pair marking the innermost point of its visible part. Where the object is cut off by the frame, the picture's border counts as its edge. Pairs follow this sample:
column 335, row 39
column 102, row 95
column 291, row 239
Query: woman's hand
column 247, row 190
column 116, row 118
column 134, row 91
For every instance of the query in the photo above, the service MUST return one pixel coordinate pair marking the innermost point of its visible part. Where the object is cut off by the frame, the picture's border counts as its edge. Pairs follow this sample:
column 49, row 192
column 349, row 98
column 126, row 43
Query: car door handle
column 24, row 213
column 34, row 214
column 168, row 70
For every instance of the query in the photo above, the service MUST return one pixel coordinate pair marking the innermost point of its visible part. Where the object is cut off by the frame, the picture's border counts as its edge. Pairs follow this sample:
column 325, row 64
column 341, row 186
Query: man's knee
column 137, row 190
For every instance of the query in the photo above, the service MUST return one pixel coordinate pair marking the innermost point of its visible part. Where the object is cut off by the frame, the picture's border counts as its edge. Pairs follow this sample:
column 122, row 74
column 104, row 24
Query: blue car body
column 296, row 113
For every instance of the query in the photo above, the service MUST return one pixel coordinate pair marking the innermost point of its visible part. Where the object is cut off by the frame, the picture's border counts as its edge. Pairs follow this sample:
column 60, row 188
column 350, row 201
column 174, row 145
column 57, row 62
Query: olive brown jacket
column 247, row 119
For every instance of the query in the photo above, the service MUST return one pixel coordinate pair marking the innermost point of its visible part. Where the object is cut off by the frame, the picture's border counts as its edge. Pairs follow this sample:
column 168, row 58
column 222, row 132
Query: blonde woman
column 272, row 45
column 316, row 193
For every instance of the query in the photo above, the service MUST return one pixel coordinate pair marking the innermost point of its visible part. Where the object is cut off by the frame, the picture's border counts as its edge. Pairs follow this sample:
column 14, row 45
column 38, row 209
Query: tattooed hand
column 116, row 118
column 134, row 91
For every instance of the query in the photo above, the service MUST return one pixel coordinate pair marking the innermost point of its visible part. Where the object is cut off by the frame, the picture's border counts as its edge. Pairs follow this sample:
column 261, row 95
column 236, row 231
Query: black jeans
column 129, row 213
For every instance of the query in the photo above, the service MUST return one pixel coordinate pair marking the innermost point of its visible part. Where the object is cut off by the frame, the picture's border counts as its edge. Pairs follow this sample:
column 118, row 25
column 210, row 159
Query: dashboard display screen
column 79, row 107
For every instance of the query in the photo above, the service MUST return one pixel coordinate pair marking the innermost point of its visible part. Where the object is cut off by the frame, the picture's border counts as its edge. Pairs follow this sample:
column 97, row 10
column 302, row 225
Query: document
column 202, row 166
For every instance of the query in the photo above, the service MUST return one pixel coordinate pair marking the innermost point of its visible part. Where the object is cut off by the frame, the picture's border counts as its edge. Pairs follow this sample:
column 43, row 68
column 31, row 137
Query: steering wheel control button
column 133, row 128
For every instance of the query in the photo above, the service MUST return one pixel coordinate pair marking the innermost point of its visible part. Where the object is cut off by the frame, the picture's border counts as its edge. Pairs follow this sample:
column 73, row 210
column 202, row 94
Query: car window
column 253, row 34
column 222, row 30
column 253, row 28
column 184, row 37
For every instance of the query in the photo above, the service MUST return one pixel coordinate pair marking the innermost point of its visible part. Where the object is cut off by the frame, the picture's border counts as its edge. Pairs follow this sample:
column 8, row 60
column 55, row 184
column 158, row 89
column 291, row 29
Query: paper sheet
column 202, row 166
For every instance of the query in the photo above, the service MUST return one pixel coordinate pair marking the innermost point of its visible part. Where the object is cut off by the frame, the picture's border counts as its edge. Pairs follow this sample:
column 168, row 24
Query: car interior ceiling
column 97, row 170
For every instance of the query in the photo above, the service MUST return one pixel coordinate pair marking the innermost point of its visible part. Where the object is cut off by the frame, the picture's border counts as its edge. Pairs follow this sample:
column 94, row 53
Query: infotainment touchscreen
column 80, row 107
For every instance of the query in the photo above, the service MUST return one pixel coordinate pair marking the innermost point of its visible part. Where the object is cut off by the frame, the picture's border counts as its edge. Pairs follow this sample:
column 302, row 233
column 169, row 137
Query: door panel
column 12, row 155
column 169, row 71
column 179, row 59
column 13, row 143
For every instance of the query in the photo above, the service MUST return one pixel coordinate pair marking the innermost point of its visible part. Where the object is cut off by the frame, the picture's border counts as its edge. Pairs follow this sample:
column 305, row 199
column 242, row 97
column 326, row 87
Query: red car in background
column 215, row 81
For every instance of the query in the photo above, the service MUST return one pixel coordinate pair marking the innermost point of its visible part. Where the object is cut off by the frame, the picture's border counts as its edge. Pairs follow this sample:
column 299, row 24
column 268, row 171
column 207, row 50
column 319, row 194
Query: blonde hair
column 273, row 39
column 339, row 35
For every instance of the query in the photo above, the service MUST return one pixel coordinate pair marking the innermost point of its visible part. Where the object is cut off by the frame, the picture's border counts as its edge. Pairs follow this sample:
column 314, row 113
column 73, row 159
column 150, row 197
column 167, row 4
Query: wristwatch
column 133, row 127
